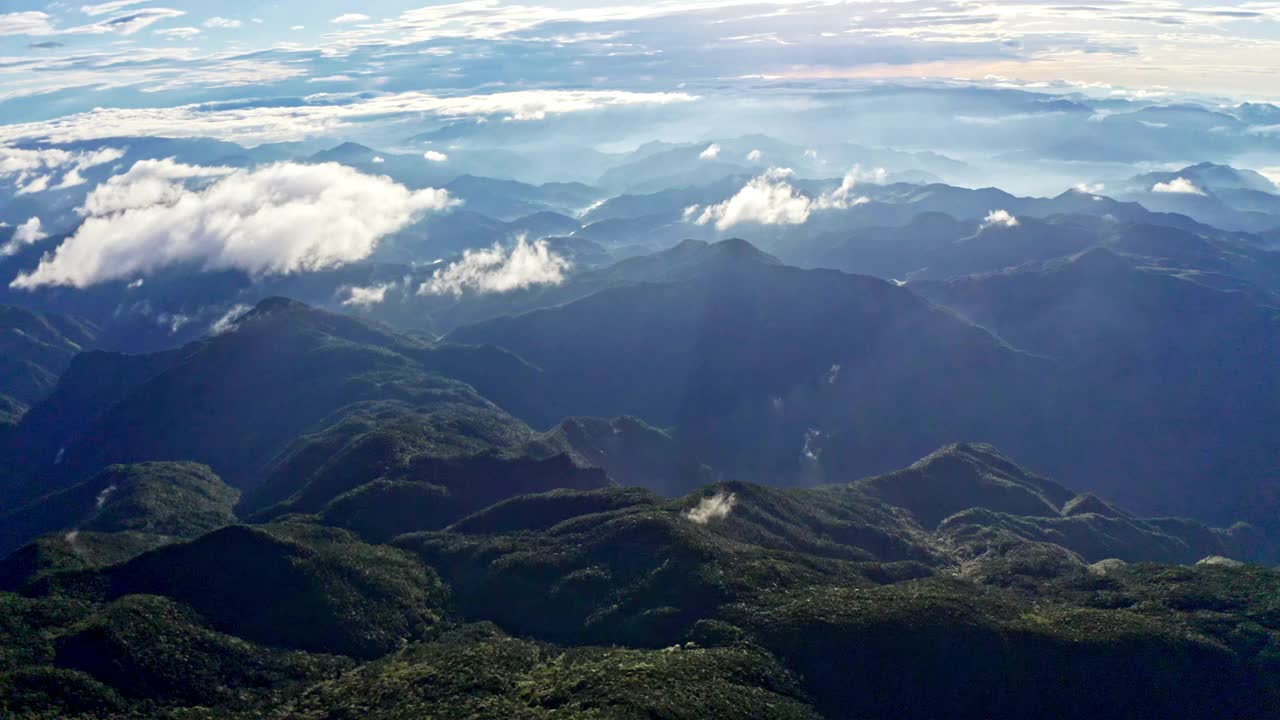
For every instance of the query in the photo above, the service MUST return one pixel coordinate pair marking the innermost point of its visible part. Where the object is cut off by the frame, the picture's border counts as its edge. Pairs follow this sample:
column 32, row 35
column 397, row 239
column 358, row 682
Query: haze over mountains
column 829, row 400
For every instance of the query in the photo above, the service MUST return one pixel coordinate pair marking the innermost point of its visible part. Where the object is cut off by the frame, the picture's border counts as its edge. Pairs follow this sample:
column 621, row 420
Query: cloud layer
column 282, row 218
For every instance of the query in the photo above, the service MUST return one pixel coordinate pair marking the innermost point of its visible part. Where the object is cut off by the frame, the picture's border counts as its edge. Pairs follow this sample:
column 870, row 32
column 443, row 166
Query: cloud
column 842, row 197
column 127, row 23
column 499, row 270
column 227, row 322
column 1000, row 218
column 221, row 23
column 179, row 32
column 770, row 199
column 108, row 7
column 28, row 233
column 1177, row 186
column 26, row 23
column 282, row 218
column 436, row 157
column 319, row 116
column 711, row 153
column 366, row 296
column 33, row 169
column 715, row 507
column 754, row 156
column 147, row 184
column 349, row 18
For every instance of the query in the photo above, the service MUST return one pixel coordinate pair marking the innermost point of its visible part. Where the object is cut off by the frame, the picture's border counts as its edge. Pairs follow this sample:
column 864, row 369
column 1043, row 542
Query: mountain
column 936, row 246
column 35, row 349
column 1164, row 375
column 758, row 365
column 735, row 601
column 1219, row 195
column 236, row 400
column 174, row 500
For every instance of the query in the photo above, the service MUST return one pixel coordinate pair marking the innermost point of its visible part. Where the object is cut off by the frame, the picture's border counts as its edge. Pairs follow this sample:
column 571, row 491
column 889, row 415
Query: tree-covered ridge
column 841, row 601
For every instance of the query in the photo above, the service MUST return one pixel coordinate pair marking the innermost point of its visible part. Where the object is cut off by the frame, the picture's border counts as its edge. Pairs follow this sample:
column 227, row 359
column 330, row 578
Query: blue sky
column 61, row 59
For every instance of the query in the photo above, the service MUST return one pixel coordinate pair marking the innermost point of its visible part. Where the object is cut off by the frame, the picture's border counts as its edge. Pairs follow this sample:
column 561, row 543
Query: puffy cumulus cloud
column 366, row 296
column 349, row 18
column 28, row 233
column 435, row 157
column 754, row 156
column 499, row 270
column 1000, row 218
column 771, row 199
column 710, row 153
column 320, row 116
column 282, row 218
column 34, row 170
column 1177, row 186
column 715, row 507
column 843, row 197
column 147, row 184
column 768, row 199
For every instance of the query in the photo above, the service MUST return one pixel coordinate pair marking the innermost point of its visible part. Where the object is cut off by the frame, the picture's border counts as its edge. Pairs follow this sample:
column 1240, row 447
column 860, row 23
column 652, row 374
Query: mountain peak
column 274, row 305
column 740, row 249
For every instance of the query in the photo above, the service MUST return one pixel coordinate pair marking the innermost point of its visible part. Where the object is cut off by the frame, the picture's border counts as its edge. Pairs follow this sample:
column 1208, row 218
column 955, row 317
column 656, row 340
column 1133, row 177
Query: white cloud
column 331, row 79
column 1177, row 186
column 366, row 296
column 349, row 18
column 378, row 159
column 221, row 23
column 147, row 184
column 711, row 153
column 499, row 270
column 28, row 233
column 33, row 170
column 296, row 28
column 108, row 7
column 436, row 157
column 228, row 320
column 282, row 218
column 322, row 117
column 26, row 23
column 1000, row 218
column 716, row 507
column 181, row 33
column 770, row 199
column 842, row 197
column 754, row 156
column 1090, row 188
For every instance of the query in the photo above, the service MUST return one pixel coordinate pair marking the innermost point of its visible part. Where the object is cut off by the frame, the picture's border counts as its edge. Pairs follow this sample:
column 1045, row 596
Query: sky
column 287, row 70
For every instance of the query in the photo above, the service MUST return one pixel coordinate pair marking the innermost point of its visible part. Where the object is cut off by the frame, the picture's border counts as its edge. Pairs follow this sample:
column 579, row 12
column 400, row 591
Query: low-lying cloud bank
column 1177, row 186
column 279, row 219
column 322, row 116
column 499, row 270
column 770, row 199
